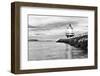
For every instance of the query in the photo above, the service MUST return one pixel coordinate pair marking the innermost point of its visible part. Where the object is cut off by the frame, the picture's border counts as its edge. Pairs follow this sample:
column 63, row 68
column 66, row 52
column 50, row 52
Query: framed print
column 52, row 37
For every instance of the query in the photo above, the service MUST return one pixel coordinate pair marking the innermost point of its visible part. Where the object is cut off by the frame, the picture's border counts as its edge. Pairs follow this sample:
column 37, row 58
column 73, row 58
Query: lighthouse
column 69, row 31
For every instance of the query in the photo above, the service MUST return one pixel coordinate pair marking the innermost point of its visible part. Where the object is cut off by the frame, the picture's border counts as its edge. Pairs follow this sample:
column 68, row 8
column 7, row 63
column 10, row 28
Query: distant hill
column 33, row 40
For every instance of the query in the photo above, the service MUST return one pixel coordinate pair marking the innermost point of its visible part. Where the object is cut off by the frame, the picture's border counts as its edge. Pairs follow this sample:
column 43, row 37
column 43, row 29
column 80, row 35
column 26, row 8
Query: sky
column 54, row 27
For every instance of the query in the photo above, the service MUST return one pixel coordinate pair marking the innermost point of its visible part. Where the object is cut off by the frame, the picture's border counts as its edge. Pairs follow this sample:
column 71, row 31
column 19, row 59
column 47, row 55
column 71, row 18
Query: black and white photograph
column 52, row 37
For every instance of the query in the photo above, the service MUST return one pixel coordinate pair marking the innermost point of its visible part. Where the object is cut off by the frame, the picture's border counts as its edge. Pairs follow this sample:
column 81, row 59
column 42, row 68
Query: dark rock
column 78, row 41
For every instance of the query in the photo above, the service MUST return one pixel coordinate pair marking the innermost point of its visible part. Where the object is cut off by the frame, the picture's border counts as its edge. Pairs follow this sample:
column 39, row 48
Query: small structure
column 69, row 31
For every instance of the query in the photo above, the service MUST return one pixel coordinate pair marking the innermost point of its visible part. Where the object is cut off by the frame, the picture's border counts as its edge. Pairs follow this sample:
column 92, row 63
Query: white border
column 25, row 64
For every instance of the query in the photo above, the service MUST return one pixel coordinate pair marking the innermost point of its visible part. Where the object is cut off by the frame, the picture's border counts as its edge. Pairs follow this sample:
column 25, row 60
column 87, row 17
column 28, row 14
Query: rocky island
column 78, row 41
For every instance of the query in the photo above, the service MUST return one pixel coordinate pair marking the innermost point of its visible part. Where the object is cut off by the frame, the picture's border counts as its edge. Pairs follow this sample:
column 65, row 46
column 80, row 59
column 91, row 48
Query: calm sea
column 49, row 50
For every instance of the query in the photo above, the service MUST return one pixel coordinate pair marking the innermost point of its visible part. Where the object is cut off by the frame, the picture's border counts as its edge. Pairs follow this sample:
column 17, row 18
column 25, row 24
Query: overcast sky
column 53, row 27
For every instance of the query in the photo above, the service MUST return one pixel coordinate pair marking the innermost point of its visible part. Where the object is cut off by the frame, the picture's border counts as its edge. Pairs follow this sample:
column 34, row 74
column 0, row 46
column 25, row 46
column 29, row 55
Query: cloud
column 38, row 20
column 43, row 26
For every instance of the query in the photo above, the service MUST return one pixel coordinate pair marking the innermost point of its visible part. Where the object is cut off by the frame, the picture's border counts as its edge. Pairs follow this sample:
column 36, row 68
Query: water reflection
column 74, row 53
column 52, row 50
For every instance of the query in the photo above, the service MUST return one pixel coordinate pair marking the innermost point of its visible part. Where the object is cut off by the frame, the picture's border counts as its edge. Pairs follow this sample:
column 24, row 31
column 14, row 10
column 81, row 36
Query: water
column 45, row 50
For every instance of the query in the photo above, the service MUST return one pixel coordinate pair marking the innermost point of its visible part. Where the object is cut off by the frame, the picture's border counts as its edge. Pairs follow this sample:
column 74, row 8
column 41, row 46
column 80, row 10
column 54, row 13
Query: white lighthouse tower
column 69, row 31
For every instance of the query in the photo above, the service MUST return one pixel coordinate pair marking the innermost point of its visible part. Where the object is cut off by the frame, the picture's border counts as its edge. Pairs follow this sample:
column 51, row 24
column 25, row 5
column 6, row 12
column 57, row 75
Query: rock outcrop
column 78, row 41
